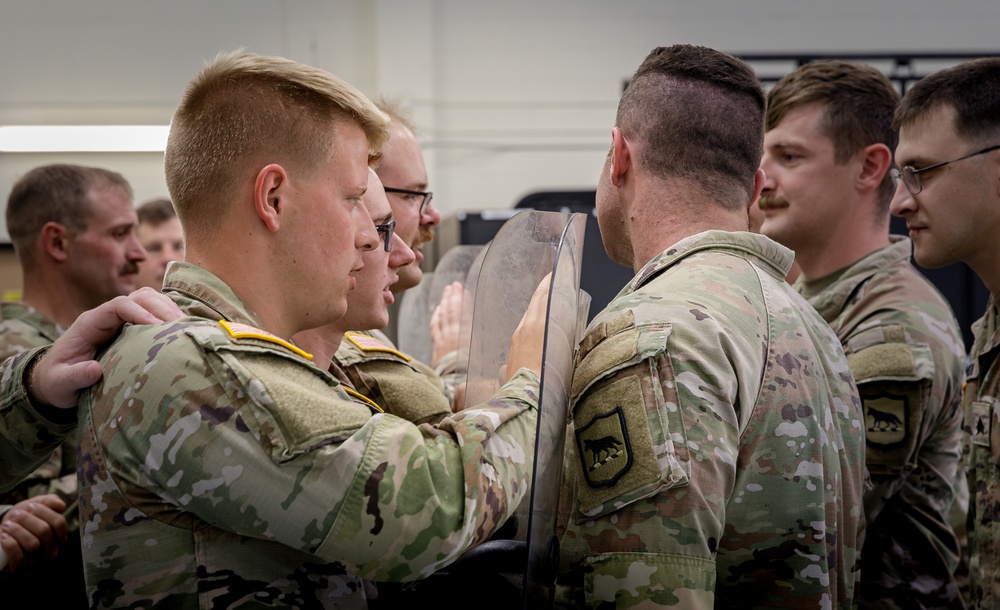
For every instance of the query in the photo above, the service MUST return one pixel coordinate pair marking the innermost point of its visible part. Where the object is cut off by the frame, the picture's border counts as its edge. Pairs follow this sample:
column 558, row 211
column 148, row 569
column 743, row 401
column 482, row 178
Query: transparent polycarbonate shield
column 522, row 253
column 418, row 304
column 532, row 247
column 413, row 335
column 565, row 307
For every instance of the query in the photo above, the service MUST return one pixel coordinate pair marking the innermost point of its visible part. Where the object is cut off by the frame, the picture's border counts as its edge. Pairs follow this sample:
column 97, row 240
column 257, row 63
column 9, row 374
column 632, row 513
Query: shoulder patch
column 245, row 331
column 367, row 343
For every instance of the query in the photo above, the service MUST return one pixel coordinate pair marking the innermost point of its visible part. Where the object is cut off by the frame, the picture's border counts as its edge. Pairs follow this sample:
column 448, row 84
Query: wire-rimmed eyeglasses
column 911, row 177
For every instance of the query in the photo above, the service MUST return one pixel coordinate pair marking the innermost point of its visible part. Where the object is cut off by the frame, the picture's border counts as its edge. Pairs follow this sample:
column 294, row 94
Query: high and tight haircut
column 244, row 111
column 858, row 104
column 155, row 212
column 699, row 114
column 54, row 193
column 971, row 88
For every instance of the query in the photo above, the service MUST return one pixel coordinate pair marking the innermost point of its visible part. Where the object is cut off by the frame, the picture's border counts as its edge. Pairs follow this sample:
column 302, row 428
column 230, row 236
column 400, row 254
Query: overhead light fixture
column 83, row 138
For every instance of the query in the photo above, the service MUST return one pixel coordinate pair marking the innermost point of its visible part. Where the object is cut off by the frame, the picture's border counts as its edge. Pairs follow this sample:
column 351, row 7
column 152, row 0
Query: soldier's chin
column 409, row 276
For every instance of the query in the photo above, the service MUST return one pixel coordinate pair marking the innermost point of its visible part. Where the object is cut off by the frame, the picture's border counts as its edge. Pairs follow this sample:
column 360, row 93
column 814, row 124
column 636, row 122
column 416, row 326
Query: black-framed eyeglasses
column 424, row 196
column 385, row 232
column 911, row 177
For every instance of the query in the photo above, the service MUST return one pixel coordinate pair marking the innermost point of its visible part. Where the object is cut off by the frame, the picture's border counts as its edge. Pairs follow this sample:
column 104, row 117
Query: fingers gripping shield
column 529, row 247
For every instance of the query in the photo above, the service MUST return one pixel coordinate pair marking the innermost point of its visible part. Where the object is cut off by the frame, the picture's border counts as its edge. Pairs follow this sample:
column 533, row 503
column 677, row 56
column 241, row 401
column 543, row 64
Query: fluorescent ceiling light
column 83, row 138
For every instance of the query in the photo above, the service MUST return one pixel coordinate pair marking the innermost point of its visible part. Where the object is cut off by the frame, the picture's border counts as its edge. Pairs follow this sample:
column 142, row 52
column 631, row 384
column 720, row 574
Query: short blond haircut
column 243, row 111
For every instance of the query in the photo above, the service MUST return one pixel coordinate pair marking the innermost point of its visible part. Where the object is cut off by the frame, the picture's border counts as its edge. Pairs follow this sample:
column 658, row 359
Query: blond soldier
column 220, row 467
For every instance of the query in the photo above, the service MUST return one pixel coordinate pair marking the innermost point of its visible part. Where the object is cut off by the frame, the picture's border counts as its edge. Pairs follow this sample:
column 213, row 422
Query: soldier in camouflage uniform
column 218, row 465
column 717, row 442
column 37, row 416
column 949, row 133
column 73, row 229
column 364, row 359
column 827, row 155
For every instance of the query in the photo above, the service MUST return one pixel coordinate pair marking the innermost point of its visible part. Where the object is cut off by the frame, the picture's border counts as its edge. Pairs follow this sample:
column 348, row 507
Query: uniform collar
column 18, row 310
column 199, row 292
column 771, row 256
column 829, row 303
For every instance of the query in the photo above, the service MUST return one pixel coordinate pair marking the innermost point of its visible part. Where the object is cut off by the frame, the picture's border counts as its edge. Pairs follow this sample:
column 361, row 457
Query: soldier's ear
column 269, row 193
column 621, row 157
column 55, row 241
column 876, row 159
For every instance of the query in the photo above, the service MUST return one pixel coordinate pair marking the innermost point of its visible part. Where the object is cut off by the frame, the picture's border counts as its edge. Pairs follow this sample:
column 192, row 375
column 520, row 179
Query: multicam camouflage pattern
column 399, row 384
column 718, row 441
column 981, row 455
column 27, row 437
column 224, row 472
column 23, row 328
column 905, row 350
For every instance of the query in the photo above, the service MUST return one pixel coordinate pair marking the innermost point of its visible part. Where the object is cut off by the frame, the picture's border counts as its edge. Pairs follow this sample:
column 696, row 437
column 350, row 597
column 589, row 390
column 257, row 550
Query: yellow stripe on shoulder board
column 371, row 403
column 244, row 331
column 368, row 343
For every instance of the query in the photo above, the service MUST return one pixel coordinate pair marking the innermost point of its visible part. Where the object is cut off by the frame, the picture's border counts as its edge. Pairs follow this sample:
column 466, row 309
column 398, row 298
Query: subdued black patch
column 604, row 448
column 887, row 419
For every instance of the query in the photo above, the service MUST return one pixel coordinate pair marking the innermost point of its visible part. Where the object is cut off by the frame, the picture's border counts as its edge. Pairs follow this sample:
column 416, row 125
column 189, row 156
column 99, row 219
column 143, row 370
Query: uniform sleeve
column 912, row 417
column 28, row 435
column 654, row 449
column 260, row 444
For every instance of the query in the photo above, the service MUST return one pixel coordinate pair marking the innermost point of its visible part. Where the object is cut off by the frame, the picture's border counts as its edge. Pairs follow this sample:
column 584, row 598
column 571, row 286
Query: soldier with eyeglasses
column 949, row 195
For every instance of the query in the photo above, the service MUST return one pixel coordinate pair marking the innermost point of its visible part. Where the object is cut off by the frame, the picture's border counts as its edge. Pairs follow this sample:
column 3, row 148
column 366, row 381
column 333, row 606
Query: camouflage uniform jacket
column 27, row 436
column 905, row 350
column 399, row 384
column 717, row 441
column 981, row 407
column 220, row 468
column 23, row 328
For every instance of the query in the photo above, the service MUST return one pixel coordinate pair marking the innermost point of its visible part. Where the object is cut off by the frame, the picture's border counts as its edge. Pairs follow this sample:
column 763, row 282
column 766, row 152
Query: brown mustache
column 424, row 235
column 130, row 268
column 768, row 202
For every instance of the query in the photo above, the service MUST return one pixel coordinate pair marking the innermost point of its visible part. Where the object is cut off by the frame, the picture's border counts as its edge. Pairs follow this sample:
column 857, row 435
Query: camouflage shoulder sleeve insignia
column 244, row 331
column 623, row 454
column 368, row 344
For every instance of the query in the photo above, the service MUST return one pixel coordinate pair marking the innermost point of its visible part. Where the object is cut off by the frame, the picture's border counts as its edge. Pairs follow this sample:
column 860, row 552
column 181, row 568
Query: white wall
column 510, row 96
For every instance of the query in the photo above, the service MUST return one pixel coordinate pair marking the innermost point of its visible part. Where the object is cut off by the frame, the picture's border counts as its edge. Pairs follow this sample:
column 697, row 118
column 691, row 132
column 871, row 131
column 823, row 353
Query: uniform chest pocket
column 629, row 437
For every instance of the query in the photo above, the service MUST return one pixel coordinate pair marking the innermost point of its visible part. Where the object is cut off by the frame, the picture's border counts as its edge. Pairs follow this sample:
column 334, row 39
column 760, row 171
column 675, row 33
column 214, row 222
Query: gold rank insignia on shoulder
column 368, row 401
column 237, row 330
column 368, row 343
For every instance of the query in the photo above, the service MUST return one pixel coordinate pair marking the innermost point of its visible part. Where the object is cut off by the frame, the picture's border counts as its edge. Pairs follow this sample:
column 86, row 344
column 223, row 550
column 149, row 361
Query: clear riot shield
column 414, row 337
column 528, row 247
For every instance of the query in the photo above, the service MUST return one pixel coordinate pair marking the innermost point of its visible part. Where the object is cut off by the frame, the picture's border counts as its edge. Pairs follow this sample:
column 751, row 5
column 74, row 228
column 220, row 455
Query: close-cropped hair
column 155, row 212
column 858, row 104
column 971, row 88
column 244, row 111
column 55, row 193
column 397, row 112
column 699, row 114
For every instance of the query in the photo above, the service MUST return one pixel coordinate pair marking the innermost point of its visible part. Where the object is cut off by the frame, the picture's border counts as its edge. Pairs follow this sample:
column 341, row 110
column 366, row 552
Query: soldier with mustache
column 827, row 154
column 73, row 229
